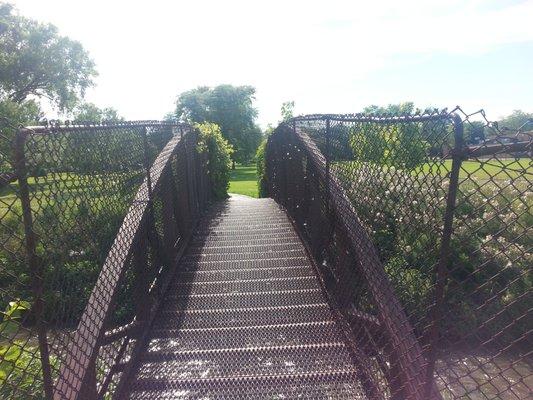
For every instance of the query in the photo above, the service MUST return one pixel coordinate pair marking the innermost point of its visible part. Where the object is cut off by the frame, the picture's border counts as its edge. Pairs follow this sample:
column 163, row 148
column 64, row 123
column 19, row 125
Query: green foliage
column 400, row 145
column 21, row 372
column 260, row 163
column 36, row 61
column 219, row 153
column 404, row 146
column 231, row 108
column 13, row 115
column 12, row 315
column 489, row 266
column 516, row 120
column 287, row 110
column 89, row 112
column 391, row 109
column 20, row 363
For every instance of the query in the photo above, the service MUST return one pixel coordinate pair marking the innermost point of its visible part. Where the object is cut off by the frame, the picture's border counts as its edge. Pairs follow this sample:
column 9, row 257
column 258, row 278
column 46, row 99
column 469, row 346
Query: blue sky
column 327, row 56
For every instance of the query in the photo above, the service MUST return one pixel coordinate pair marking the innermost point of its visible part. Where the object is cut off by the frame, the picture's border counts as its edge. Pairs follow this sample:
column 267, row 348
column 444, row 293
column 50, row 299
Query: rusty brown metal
column 395, row 264
column 420, row 241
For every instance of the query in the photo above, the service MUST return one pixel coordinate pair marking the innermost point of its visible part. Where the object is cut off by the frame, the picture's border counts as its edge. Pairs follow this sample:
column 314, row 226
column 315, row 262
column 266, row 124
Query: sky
column 326, row 56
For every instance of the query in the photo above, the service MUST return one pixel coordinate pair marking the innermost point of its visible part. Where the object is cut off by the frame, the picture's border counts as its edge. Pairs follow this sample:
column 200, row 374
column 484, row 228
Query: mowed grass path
column 243, row 180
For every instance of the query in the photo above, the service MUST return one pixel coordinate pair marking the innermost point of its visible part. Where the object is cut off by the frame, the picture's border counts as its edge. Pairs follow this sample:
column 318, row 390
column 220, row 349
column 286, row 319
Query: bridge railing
column 92, row 220
column 423, row 240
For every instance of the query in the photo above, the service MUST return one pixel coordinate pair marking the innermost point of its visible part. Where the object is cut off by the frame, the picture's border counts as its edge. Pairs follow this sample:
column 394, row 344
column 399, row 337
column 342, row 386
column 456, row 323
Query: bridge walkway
column 245, row 317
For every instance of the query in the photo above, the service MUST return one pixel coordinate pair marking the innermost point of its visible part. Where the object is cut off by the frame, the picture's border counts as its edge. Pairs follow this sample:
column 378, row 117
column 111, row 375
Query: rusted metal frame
column 154, row 240
column 142, row 277
column 328, row 162
column 89, row 389
column 189, row 221
column 45, row 130
column 143, row 339
column 131, row 329
column 189, row 173
column 441, row 269
column 34, row 262
column 355, row 353
column 171, row 234
column 90, row 328
column 114, row 368
column 391, row 314
column 164, row 260
column 377, row 118
column 143, row 296
column 491, row 149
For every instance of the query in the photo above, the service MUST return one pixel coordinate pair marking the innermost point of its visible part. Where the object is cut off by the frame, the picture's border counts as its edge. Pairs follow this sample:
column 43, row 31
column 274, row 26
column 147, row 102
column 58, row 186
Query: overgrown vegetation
column 219, row 151
column 231, row 108
column 20, row 363
column 260, row 167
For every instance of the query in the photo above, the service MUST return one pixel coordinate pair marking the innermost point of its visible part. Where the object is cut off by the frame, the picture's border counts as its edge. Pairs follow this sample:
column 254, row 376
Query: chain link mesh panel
column 92, row 219
column 423, row 239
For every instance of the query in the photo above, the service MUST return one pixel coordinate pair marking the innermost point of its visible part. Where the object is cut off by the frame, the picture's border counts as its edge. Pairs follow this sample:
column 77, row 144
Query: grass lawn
column 493, row 169
column 490, row 169
column 243, row 180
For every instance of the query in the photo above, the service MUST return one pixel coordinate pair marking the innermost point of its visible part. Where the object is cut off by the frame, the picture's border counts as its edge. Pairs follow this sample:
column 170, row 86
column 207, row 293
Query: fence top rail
column 383, row 118
column 68, row 127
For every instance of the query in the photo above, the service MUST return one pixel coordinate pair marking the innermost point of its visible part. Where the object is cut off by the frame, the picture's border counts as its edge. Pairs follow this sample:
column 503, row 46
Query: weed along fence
column 120, row 277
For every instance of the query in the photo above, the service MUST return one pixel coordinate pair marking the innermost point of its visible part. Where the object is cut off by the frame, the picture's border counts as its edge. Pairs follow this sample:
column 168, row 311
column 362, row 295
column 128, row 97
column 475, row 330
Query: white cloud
column 308, row 51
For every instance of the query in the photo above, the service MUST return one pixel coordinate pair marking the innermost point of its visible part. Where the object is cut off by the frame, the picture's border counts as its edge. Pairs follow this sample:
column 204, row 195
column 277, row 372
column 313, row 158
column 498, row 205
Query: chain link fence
column 421, row 230
column 92, row 219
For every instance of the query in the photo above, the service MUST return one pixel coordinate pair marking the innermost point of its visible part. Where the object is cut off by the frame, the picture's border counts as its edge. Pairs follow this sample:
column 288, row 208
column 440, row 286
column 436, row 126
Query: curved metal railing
column 423, row 239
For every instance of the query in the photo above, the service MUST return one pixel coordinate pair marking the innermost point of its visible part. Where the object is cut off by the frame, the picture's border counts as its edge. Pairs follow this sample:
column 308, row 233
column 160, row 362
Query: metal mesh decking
column 245, row 317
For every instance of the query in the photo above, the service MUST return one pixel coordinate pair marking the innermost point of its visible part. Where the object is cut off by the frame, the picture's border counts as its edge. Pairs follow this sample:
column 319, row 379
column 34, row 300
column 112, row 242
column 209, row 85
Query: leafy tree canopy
column 392, row 109
column 287, row 110
column 516, row 120
column 88, row 112
column 37, row 62
column 231, row 108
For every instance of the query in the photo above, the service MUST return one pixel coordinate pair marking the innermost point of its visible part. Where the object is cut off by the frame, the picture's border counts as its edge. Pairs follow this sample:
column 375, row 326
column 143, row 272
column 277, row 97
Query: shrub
column 490, row 255
column 20, row 363
column 218, row 163
column 402, row 146
column 261, row 169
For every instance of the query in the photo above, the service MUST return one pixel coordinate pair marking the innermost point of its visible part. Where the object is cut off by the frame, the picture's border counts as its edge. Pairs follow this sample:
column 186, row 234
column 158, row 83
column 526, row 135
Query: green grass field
column 243, row 180
column 491, row 169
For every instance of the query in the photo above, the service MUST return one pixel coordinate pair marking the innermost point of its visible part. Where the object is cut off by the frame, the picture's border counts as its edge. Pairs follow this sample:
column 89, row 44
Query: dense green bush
column 489, row 268
column 261, row 169
column 20, row 363
column 218, row 162
column 400, row 145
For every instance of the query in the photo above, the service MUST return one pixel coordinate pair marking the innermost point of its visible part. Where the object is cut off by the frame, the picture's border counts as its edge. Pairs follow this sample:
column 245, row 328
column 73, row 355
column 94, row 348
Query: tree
column 392, row 109
column 404, row 145
column 474, row 132
column 516, row 120
column 89, row 112
column 231, row 108
column 211, row 141
column 287, row 110
column 36, row 62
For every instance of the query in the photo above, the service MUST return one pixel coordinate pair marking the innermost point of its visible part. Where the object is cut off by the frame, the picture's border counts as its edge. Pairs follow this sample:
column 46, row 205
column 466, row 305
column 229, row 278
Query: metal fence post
column 328, row 157
column 35, row 265
column 444, row 253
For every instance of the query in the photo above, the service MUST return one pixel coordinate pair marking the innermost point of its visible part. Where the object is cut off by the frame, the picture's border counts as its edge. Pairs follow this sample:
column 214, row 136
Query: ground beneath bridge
column 245, row 317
